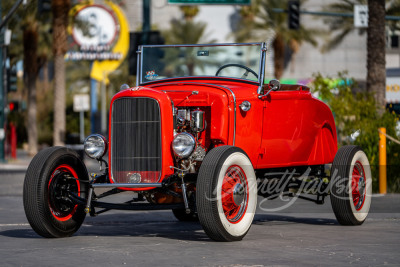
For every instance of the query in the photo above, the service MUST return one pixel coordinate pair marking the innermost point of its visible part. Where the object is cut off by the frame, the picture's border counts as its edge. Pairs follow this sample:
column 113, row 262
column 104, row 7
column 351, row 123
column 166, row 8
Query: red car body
column 287, row 128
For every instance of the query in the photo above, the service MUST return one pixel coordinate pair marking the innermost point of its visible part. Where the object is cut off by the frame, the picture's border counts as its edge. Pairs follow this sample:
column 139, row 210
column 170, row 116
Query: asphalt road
column 303, row 234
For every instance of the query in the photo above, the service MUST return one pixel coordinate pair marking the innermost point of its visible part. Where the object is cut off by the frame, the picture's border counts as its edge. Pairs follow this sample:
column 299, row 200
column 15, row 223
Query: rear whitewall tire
column 351, row 185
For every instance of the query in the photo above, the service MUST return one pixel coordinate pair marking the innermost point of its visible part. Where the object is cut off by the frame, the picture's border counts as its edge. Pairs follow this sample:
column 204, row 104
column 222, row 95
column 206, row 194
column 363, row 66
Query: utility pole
column 2, row 95
column 146, row 21
column 3, row 89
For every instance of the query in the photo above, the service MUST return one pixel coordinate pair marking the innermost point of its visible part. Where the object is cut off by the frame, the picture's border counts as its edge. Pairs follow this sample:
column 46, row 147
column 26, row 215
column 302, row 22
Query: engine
column 189, row 123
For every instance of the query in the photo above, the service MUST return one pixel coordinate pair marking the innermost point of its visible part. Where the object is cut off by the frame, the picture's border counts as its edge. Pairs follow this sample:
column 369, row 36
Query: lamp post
column 2, row 96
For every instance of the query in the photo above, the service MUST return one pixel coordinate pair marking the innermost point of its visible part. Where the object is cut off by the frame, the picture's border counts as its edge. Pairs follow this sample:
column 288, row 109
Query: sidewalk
column 20, row 164
column 23, row 160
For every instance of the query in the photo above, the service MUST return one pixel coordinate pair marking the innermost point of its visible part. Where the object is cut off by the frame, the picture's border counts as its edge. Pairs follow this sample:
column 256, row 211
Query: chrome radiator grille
column 135, row 140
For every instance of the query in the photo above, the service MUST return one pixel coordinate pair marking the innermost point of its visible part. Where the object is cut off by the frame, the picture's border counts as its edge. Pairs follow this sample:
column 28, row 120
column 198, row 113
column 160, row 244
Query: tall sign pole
column 146, row 21
column 105, row 43
column 3, row 89
column 2, row 96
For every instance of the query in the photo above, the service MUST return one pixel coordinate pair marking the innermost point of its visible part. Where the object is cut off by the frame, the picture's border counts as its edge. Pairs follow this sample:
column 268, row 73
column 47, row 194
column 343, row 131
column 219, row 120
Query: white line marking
column 14, row 224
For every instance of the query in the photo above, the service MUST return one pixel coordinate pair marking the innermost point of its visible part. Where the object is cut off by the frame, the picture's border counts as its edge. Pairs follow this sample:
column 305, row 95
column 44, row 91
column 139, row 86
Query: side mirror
column 273, row 85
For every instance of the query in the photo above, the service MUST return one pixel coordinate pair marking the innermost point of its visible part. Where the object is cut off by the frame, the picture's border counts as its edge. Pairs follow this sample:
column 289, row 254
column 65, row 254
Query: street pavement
column 302, row 234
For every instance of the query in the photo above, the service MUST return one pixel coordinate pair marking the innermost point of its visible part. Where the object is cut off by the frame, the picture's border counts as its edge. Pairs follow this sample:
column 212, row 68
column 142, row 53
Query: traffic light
column 44, row 6
column 154, row 38
column 11, row 80
column 294, row 15
column 13, row 106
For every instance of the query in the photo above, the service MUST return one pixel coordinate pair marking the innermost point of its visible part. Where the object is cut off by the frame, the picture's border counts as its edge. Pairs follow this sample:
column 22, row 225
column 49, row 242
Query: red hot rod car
column 203, row 136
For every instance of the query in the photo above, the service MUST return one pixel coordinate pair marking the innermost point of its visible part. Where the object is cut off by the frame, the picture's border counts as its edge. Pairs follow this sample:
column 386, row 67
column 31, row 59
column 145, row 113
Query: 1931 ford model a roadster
column 203, row 136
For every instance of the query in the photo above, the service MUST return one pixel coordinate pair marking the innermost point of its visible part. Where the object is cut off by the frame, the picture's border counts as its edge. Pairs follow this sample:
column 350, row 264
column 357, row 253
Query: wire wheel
column 358, row 186
column 235, row 193
column 62, row 183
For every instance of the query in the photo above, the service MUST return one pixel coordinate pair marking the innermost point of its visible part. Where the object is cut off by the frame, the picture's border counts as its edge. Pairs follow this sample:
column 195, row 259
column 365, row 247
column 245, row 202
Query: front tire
column 226, row 194
column 52, row 175
column 351, row 185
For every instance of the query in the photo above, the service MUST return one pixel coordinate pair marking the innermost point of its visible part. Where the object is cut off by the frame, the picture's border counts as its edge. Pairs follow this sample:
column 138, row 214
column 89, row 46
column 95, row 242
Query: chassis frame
column 286, row 186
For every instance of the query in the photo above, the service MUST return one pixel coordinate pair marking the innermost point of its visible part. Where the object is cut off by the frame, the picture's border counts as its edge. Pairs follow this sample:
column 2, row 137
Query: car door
column 287, row 134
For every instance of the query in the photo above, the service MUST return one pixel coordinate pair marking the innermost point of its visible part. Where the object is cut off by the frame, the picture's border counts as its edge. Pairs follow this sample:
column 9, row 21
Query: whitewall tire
column 351, row 185
column 226, row 195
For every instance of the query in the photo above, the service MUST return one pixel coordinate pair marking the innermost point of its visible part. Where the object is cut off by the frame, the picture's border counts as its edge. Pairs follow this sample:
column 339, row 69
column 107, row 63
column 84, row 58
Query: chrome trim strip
column 219, row 78
column 234, row 122
column 205, row 45
column 138, row 65
column 262, row 61
column 262, row 68
column 110, row 143
column 215, row 85
column 126, row 185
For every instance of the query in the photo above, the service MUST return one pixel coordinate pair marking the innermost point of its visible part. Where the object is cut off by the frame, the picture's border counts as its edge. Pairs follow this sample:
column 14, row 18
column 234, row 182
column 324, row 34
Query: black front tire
column 51, row 176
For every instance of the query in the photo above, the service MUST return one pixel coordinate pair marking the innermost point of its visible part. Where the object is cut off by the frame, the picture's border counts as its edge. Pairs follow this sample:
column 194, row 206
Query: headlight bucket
column 183, row 145
column 95, row 146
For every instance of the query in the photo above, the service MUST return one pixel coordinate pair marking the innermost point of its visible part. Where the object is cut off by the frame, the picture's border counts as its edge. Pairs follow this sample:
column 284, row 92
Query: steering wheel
column 240, row 66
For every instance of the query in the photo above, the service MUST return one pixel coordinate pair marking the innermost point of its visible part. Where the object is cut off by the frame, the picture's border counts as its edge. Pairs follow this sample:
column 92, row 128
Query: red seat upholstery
column 290, row 87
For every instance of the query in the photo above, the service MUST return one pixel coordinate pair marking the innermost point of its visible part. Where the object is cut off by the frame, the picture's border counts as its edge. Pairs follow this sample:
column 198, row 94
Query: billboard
column 101, row 35
column 393, row 90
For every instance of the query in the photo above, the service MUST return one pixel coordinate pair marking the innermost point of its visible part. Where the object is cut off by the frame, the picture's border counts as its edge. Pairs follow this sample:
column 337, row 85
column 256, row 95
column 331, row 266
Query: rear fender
column 325, row 146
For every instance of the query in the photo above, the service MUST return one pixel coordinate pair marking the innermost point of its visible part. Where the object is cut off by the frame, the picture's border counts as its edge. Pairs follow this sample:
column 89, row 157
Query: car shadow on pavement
column 20, row 233
column 126, row 225
column 188, row 231
column 262, row 219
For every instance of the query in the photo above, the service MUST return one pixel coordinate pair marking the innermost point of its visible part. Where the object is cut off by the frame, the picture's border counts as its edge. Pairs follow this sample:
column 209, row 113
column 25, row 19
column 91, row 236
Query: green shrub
column 355, row 110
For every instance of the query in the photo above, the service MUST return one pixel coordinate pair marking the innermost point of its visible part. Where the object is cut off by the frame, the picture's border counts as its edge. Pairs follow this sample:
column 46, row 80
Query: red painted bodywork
column 286, row 128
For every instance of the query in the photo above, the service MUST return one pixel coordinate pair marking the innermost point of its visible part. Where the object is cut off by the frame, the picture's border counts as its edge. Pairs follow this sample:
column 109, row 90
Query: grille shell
column 135, row 140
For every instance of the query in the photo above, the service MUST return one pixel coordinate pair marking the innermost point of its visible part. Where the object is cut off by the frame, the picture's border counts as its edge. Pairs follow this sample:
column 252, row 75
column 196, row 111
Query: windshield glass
column 242, row 61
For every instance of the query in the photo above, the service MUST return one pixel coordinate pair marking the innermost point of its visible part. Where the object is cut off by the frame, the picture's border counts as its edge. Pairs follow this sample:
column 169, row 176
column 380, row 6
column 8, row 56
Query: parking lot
column 303, row 234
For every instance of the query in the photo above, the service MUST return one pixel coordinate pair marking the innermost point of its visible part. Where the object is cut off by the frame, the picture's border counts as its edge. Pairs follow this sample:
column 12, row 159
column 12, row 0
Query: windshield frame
column 261, row 73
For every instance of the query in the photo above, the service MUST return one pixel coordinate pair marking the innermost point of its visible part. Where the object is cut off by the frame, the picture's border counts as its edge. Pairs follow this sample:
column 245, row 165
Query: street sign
column 210, row 2
column 361, row 16
column 81, row 103
column 393, row 90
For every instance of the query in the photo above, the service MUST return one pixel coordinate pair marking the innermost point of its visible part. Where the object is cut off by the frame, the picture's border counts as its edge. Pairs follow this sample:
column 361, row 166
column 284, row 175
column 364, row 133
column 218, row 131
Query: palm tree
column 186, row 31
column 60, row 9
column 28, row 32
column 30, row 41
column 342, row 26
column 376, row 69
column 259, row 21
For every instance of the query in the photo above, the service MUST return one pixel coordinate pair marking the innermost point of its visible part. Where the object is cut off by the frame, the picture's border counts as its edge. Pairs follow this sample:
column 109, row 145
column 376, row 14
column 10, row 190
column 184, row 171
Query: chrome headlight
column 183, row 144
column 95, row 146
